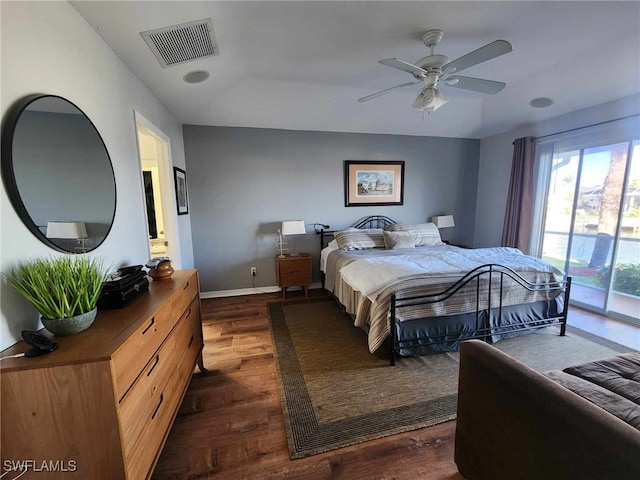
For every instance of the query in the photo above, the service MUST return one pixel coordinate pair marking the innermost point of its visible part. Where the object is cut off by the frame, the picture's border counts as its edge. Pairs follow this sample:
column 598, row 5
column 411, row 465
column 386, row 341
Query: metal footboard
column 489, row 273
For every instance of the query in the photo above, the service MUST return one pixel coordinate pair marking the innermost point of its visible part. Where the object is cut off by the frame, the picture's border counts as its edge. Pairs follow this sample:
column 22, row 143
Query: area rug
column 336, row 393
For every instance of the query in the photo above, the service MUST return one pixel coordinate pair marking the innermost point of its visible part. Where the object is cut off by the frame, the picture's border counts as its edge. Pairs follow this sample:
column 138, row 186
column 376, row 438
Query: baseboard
column 249, row 291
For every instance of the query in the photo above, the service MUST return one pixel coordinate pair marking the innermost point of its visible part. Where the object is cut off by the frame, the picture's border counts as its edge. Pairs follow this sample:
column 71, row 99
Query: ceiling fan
column 433, row 69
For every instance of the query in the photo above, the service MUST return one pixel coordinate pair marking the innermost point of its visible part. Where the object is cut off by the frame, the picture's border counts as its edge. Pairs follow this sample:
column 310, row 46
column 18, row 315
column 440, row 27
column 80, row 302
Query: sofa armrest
column 515, row 423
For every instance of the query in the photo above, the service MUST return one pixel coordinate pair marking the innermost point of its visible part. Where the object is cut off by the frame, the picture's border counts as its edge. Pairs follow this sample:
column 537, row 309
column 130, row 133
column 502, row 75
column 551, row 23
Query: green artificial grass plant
column 60, row 287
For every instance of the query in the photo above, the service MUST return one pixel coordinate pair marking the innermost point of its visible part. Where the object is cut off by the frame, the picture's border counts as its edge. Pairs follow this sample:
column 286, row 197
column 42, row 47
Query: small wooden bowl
column 162, row 272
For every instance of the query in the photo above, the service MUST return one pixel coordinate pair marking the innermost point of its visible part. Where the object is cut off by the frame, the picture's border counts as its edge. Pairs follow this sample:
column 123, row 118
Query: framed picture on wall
column 180, row 180
column 368, row 183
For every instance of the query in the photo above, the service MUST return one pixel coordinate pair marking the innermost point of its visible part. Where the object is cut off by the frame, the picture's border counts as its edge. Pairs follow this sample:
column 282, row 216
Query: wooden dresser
column 103, row 403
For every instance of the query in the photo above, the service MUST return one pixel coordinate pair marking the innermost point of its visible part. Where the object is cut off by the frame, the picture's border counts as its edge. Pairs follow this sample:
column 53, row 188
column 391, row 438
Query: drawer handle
column 185, row 287
column 190, row 342
column 188, row 313
column 153, row 320
column 154, row 365
column 155, row 412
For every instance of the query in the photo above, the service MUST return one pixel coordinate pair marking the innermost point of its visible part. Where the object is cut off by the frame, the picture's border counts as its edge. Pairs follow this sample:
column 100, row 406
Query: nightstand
column 294, row 270
column 457, row 244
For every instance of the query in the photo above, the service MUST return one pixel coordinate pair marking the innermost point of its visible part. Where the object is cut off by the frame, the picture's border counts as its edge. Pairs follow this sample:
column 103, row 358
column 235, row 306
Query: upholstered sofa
column 515, row 423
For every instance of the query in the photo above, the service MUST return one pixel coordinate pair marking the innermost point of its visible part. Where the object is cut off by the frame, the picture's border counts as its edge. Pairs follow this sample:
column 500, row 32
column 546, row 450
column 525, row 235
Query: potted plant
column 64, row 290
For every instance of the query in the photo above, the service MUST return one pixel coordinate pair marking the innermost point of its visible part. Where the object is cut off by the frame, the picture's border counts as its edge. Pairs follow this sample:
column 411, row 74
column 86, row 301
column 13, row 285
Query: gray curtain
column 517, row 218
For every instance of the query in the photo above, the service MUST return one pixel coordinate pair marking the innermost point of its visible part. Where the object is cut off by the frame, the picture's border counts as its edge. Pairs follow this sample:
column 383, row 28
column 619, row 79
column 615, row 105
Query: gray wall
column 244, row 181
column 496, row 155
column 97, row 81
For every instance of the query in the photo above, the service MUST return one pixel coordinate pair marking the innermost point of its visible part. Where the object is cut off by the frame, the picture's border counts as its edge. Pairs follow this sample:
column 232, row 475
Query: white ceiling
column 302, row 65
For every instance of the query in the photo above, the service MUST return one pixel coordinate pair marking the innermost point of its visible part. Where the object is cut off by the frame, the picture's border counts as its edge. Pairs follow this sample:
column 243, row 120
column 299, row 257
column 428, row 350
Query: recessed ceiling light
column 541, row 102
column 196, row 76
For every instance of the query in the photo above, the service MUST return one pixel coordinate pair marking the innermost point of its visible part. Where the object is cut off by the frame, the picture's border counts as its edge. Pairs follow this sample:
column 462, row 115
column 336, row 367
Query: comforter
column 364, row 280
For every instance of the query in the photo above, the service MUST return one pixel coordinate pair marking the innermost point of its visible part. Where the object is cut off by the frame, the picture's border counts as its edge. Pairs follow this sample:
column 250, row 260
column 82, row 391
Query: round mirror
column 58, row 173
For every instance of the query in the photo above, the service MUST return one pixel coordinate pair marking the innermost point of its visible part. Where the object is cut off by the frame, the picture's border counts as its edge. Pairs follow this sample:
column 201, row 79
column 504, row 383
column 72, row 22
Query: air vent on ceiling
column 182, row 43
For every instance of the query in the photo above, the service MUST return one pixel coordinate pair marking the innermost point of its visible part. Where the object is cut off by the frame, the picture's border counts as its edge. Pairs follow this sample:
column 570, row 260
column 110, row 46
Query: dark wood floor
column 230, row 424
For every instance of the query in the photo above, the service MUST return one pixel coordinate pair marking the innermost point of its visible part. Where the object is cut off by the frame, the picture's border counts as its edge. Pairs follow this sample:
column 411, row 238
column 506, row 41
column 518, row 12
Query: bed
column 418, row 295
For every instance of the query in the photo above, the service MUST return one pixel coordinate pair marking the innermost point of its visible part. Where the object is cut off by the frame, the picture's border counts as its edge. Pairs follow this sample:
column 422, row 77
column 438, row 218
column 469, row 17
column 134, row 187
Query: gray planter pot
column 71, row 325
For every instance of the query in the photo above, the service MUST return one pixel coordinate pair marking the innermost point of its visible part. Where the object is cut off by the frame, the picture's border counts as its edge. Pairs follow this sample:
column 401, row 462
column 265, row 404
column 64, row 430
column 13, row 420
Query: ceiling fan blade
column 404, row 66
column 492, row 50
column 385, row 91
column 475, row 84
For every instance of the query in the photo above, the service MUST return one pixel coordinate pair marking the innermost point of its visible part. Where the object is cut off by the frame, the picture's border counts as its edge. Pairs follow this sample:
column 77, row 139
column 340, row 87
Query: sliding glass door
column 591, row 224
column 625, row 281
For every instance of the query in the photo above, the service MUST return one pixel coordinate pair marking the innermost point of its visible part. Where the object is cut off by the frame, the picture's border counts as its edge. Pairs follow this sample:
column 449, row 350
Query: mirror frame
column 10, row 123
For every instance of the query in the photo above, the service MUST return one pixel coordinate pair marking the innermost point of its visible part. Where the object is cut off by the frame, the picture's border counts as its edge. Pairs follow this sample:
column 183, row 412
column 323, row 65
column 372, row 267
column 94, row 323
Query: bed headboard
column 372, row 221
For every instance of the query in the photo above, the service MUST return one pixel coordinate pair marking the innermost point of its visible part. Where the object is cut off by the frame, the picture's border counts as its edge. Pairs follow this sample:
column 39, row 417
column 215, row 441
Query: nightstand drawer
column 291, row 267
column 295, row 278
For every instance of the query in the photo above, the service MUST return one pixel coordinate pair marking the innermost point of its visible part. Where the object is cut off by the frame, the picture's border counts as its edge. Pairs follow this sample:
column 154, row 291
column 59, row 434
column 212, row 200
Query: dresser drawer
column 144, row 451
column 186, row 333
column 180, row 302
column 188, row 344
column 129, row 360
column 143, row 397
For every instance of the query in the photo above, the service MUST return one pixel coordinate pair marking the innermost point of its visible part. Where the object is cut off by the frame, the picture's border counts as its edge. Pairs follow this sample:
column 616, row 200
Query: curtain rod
column 587, row 126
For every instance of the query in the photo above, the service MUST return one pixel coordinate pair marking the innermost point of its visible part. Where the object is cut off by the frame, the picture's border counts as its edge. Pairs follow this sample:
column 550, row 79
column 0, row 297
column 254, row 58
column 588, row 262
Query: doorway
column 161, row 217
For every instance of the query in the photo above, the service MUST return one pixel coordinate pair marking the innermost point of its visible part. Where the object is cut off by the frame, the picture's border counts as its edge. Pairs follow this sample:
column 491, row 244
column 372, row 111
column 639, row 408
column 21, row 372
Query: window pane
column 600, row 190
column 625, row 292
column 562, row 185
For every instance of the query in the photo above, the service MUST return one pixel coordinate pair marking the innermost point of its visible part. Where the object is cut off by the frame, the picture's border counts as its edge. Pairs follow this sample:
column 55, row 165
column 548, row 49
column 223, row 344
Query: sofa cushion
column 613, row 403
column 620, row 374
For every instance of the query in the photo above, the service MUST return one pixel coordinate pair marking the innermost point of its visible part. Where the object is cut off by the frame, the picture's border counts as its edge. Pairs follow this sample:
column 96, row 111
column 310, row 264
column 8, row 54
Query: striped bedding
column 364, row 280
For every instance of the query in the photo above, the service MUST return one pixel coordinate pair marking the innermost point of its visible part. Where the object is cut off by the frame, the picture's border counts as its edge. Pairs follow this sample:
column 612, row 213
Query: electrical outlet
column 254, row 271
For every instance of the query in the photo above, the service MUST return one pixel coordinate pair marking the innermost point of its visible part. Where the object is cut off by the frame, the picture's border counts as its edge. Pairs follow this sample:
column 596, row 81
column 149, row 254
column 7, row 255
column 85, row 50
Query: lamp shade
column 293, row 227
column 443, row 221
column 66, row 230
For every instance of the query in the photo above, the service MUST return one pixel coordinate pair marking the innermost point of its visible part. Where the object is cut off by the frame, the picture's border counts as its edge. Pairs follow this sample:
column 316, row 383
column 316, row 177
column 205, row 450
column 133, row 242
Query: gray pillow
column 424, row 234
column 393, row 240
column 356, row 239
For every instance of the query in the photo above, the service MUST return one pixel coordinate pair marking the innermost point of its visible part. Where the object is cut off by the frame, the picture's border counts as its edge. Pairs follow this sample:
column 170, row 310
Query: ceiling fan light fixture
column 424, row 99
column 434, row 70
column 439, row 100
column 429, row 100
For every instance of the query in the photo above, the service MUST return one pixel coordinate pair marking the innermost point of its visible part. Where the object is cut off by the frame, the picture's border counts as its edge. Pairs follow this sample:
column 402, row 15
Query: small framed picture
column 368, row 183
column 182, row 200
